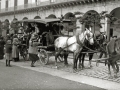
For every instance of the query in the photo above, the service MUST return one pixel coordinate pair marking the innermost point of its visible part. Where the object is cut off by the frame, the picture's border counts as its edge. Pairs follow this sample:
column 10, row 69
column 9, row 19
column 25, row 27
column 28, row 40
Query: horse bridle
column 88, row 38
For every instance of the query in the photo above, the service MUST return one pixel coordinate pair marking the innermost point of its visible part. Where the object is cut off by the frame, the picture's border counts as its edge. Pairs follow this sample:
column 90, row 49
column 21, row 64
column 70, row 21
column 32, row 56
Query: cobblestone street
column 97, row 73
column 100, row 71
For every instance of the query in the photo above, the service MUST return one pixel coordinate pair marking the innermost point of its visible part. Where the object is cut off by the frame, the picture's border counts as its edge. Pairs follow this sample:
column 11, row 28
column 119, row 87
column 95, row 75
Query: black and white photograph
column 59, row 44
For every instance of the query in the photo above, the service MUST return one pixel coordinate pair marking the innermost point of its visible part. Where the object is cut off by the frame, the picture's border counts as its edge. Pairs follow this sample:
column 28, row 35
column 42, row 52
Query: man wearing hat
column 33, row 49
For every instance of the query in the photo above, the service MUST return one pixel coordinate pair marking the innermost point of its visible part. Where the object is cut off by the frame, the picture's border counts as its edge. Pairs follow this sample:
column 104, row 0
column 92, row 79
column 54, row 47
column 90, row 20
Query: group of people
column 11, row 50
column 11, row 43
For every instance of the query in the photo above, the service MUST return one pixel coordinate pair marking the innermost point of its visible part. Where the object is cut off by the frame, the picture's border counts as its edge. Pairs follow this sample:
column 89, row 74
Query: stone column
column 102, row 21
column 107, row 27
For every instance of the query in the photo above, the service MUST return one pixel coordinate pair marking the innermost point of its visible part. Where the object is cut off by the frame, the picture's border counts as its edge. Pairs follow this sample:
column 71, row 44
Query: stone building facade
column 30, row 9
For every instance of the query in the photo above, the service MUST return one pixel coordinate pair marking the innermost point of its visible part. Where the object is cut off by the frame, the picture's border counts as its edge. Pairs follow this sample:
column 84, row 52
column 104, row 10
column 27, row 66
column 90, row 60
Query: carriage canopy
column 54, row 25
column 43, row 21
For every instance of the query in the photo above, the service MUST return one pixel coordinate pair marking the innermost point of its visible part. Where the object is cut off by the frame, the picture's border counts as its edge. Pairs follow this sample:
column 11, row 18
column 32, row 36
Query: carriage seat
column 47, row 39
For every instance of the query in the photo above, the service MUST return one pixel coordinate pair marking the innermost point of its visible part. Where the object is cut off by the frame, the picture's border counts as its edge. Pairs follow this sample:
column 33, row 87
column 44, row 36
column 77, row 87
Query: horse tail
column 105, row 62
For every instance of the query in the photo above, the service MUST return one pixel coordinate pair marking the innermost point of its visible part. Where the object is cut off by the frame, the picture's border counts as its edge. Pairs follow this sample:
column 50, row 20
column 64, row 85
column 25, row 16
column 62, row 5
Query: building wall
column 99, row 7
column 2, row 4
column 21, row 2
column 11, row 3
column 84, row 8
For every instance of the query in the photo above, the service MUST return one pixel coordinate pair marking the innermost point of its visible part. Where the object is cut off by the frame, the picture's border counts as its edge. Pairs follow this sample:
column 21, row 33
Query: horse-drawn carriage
column 52, row 41
column 49, row 30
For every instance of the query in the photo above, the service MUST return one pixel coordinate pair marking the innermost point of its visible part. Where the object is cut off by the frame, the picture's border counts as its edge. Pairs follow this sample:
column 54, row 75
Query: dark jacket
column 2, row 43
column 8, row 48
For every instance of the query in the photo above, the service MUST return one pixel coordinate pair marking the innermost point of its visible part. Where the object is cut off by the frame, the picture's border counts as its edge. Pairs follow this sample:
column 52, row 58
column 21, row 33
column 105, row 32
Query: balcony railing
column 32, row 5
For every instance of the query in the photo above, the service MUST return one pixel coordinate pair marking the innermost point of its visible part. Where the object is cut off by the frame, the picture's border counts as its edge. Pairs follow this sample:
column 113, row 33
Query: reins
column 91, row 50
column 80, row 43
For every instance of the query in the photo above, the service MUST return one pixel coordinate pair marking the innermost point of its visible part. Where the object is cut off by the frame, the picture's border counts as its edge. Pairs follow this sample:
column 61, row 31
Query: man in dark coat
column 2, row 43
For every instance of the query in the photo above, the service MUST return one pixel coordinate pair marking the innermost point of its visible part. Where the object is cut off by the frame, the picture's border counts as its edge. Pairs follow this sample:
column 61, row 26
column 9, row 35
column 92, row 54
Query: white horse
column 72, row 44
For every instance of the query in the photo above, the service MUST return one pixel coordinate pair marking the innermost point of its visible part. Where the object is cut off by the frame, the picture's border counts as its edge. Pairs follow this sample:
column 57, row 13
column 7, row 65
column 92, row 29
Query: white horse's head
column 89, row 36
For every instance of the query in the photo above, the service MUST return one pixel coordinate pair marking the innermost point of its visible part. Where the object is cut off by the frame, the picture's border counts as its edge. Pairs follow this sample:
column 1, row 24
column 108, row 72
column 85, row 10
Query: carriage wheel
column 24, row 54
column 43, row 57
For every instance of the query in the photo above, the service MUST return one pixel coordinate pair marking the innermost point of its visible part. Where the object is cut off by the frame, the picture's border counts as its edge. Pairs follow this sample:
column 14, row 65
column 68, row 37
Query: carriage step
column 101, row 59
column 50, row 53
column 43, row 47
column 91, row 52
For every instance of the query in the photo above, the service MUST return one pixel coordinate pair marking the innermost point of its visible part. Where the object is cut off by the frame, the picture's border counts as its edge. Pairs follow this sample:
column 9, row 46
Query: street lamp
column 14, row 11
column 36, row 2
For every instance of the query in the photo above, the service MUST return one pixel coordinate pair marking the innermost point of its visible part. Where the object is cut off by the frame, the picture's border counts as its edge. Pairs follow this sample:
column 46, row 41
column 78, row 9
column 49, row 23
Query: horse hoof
column 74, row 70
column 91, row 66
column 110, row 77
column 56, row 67
column 79, row 69
column 66, row 66
column 115, row 76
column 82, row 68
column 117, row 71
column 97, row 64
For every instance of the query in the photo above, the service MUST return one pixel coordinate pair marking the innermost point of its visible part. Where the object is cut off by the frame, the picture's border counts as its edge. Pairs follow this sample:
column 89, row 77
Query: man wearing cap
column 33, row 43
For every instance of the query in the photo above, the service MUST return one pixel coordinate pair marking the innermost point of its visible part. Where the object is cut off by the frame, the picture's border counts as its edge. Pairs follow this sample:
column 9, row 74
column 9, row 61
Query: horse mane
column 77, row 38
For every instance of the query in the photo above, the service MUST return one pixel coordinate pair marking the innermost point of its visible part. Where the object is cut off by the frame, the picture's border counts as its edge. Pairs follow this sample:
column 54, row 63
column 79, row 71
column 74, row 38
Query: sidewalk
column 98, row 82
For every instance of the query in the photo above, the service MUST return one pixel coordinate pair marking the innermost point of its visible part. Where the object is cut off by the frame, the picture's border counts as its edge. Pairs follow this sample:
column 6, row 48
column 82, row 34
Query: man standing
column 2, row 43
column 33, row 43
column 8, row 52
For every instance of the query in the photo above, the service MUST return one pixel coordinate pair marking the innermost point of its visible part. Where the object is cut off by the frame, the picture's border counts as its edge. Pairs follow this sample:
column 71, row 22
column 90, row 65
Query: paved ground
column 96, row 76
column 17, row 78
column 100, row 71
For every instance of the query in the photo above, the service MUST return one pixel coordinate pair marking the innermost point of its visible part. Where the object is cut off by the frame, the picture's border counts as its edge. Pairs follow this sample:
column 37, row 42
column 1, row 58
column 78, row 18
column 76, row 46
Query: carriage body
column 49, row 30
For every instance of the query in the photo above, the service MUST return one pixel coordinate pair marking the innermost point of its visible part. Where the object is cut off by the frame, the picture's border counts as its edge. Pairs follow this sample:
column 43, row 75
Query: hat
column 115, row 36
column 9, row 41
column 33, row 38
column 15, row 36
column 15, row 39
column 1, row 37
column 34, row 35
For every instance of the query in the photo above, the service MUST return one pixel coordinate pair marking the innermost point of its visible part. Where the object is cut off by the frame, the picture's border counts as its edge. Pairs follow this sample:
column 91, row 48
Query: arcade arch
column 91, row 20
column 71, row 27
column 6, row 20
column 69, row 15
column 51, row 16
column 37, row 17
column 115, row 27
column 25, row 18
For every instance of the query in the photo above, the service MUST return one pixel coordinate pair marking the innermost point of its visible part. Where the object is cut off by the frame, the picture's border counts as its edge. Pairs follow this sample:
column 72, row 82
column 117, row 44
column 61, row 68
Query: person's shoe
column 32, row 66
column 6, row 63
column 9, row 64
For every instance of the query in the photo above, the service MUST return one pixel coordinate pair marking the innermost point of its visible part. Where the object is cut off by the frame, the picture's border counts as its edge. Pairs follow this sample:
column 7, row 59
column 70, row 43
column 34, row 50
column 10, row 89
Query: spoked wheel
column 25, row 55
column 43, row 57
